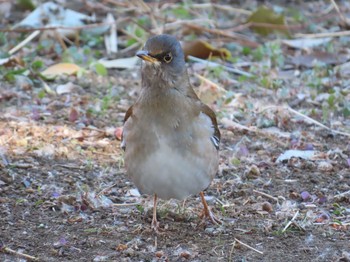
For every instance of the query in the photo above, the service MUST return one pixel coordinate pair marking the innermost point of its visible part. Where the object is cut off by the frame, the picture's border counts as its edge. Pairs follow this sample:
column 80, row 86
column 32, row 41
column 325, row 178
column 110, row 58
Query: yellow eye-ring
column 168, row 57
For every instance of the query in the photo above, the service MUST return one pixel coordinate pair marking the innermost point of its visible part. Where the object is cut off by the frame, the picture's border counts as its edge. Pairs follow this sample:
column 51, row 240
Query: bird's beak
column 144, row 55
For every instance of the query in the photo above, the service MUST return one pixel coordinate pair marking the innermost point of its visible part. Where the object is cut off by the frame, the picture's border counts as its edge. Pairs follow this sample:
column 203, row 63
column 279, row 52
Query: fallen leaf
column 204, row 50
column 66, row 88
column 52, row 14
column 61, row 69
column 263, row 15
column 308, row 154
column 305, row 43
column 73, row 115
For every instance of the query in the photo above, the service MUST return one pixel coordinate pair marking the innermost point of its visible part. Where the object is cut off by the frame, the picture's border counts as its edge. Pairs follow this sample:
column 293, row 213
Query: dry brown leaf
column 61, row 69
column 204, row 50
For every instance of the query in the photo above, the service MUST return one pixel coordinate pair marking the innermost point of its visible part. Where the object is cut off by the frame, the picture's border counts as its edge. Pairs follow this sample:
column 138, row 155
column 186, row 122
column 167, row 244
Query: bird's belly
column 172, row 162
column 171, row 173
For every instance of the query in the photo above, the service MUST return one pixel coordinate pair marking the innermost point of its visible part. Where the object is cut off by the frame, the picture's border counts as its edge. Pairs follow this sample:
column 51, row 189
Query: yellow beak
column 144, row 55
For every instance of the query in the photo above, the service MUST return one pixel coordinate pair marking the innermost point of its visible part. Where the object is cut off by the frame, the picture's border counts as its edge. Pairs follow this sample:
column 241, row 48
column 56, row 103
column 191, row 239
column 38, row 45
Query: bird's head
column 163, row 60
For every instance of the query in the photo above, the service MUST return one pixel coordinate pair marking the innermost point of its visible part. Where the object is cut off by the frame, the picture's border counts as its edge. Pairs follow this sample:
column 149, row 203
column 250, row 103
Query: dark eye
column 168, row 57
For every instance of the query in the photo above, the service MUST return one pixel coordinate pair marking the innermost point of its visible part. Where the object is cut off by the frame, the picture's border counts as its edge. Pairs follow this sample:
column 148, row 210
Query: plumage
column 170, row 137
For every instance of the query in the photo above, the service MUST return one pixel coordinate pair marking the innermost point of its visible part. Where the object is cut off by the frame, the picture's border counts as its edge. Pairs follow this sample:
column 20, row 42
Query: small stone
column 266, row 206
column 253, row 172
column 325, row 166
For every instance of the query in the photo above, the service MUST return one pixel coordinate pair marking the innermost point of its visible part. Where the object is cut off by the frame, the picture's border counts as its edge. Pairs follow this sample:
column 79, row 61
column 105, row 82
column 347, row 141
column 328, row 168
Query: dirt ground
column 64, row 195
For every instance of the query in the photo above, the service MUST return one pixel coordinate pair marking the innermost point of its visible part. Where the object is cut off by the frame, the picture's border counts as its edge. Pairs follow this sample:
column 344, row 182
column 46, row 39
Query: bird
column 170, row 137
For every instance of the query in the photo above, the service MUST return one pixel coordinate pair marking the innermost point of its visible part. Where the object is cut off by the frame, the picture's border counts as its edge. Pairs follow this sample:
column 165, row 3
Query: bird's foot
column 208, row 215
column 155, row 225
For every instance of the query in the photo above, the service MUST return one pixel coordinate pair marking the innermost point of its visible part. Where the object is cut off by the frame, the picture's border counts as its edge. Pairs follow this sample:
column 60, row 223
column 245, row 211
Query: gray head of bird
column 164, row 62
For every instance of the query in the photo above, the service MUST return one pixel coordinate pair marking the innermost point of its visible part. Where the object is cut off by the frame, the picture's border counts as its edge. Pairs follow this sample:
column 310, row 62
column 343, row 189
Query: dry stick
column 139, row 40
column 321, row 35
column 23, row 30
column 13, row 252
column 342, row 194
column 238, row 37
column 126, row 204
column 227, row 8
column 316, row 122
column 178, row 23
column 291, row 221
column 24, row 42
column 106, row 189
column 213, row 64
column 338, row 11
column 274, row 26
column 265, row 195
column 231, row 251
column 231, row 125
column 252, row 248
column 307, row 118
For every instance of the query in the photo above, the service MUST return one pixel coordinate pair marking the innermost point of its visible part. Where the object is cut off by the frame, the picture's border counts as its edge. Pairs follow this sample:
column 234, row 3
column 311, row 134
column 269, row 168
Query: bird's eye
column 168, row 57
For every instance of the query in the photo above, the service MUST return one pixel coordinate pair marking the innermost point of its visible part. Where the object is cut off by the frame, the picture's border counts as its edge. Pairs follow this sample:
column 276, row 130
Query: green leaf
column 246, row 50
column 10, row 76
column 139, row 32
column 181, row 12
column 101, row 69
column 41, row 94
column 331, row 100
column 36, row 65
column 26, row 4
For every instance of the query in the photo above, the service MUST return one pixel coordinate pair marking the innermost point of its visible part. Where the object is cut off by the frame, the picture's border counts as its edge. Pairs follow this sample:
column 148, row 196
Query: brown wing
column 216, row 136
column 126, row 117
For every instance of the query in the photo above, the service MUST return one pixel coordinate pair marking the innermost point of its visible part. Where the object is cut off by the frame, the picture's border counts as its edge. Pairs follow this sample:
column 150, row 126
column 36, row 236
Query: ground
column 64, row 195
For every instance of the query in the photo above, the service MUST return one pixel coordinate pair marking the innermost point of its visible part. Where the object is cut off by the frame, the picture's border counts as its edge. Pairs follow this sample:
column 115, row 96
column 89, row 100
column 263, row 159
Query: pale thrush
column 171, row 139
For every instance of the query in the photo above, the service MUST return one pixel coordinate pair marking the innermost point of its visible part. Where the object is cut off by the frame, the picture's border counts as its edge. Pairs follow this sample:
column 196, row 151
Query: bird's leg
column 155, row 223
column 206, row 213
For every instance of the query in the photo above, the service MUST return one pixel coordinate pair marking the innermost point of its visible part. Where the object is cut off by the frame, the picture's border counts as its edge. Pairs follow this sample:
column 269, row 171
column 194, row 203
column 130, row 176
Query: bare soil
column 64, row 195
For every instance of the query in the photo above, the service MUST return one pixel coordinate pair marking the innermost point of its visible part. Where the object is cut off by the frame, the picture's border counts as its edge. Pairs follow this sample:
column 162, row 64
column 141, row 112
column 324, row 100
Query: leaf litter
column 63, row 190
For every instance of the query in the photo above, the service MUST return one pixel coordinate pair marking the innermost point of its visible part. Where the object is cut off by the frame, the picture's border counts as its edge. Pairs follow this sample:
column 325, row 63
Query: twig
column 178, row 23
column 67, row 166
column 316, row 122
column 291, row 221
column 265, row 195
column 313, row 121
column 231, row 251
column 274, row 26
column 226, row 8
column 24, row 42
column 338, row 11
column 321, row 35
column 231, row 126
column 106, row 189
column 126, row 204
column 242, row 39
column 139, row 40
column 213, row 64
column 252, row 248
column 342, row 194
column 13, row 252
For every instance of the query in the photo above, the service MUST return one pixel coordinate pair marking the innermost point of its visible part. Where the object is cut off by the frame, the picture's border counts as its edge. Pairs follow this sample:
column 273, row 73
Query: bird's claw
column 207, row 214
